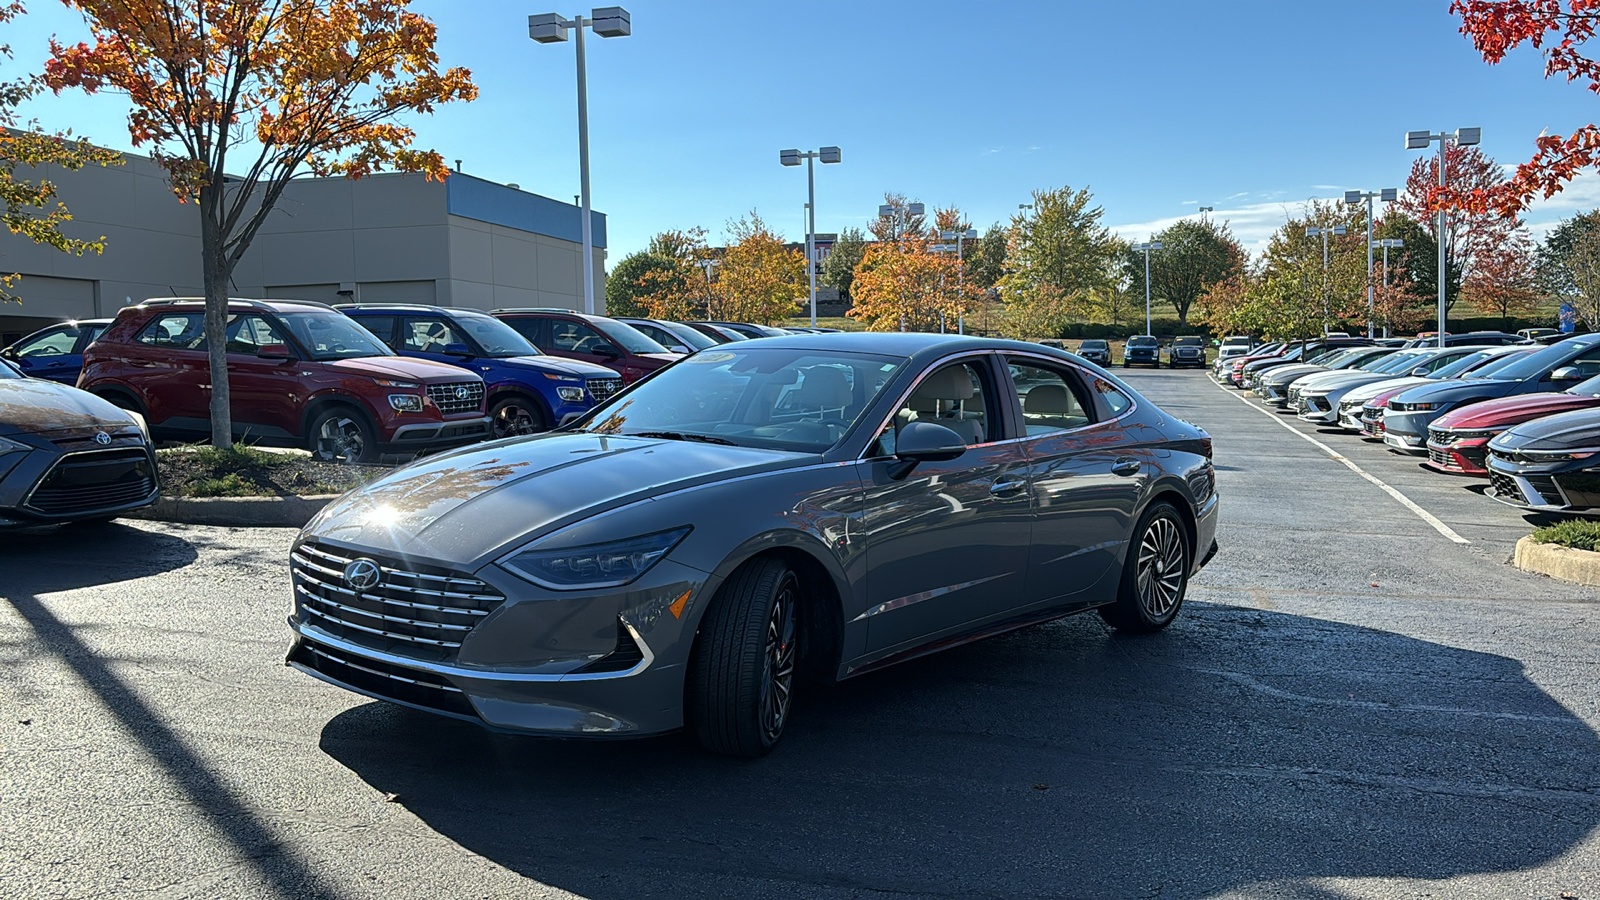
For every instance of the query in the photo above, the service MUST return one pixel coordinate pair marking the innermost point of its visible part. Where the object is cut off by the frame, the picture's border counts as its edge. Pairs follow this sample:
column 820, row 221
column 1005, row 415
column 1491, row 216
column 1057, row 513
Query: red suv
column 299, row 373
column 595, row 339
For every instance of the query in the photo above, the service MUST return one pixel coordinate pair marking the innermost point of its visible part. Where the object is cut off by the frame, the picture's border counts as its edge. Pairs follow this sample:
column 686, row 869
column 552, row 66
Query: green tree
column 1194, row 255
column 627, row 282
column 1569, row 265
column 839, row 269
column 986, row 263
column 1056, row 255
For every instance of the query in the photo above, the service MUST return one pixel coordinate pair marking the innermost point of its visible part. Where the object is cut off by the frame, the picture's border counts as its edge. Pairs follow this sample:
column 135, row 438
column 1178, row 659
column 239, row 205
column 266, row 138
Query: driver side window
column 428, row 335
column 570, row 337
column 953, row 396
column 54, row 344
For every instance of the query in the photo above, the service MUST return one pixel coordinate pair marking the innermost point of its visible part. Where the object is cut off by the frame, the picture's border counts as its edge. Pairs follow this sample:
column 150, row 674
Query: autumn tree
column 235, row 98
column 1288, row 293
column 1194, row 255
column 1569, row 265
column 904, row 285
column 1504, row 281
column 760, row 279
column 1470, row 234
column 31, row 208
column 1057, row 253
column 899, row 222
column 839, row 269
column 626, row 282
column 1560, row 30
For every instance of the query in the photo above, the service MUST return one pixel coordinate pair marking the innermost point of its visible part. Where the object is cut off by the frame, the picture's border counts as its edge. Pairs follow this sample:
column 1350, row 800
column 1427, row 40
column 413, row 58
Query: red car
column 1458, row 440
column 596, row 339
column 299, row 373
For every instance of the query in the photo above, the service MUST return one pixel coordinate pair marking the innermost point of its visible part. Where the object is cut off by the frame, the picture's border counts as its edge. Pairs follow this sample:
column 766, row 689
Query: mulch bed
column 254, row 473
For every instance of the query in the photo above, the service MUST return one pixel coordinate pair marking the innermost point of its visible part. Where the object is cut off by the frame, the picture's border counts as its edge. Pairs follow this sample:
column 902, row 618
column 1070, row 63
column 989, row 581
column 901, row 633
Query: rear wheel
column 742, row 676
column 1155, row 574
column 340, row 434
column 517, row 415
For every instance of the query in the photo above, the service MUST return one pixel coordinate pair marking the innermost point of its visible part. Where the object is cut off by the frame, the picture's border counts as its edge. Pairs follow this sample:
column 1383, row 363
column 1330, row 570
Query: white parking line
column 1402, row 499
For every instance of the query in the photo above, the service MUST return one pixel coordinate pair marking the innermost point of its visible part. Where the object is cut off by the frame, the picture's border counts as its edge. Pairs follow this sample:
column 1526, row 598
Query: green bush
column 1582, row 534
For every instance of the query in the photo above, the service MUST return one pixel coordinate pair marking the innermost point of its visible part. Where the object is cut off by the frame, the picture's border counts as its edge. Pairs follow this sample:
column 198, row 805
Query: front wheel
column 515, row 416
column 340, row 434
column 742, row 675
column 1155, row 574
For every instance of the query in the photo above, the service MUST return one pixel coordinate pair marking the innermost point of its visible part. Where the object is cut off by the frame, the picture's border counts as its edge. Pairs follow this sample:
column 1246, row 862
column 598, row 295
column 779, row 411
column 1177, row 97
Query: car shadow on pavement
column 45, row 561
column 1241, row 747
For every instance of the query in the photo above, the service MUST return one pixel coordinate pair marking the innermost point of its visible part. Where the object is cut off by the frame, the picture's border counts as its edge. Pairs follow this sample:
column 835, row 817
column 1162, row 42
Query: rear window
column 174, row 331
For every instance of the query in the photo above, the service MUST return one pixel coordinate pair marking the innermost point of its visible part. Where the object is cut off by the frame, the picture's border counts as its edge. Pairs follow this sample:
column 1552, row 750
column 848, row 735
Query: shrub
column 1581, row 534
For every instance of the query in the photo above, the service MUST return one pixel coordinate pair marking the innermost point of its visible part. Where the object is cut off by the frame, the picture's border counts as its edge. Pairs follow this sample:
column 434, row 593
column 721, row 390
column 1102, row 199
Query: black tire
column 1155, row 574
column 1125, row 364
column 91, row 522
column 742, row 674
column 515, row 415
column 341, row 434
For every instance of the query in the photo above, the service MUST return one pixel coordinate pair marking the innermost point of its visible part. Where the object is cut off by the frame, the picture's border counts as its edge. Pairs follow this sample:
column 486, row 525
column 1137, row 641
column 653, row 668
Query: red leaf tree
column 1471, row 234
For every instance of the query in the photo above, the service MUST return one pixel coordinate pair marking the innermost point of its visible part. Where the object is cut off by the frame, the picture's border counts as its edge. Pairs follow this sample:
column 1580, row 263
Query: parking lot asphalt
column 1351, row 705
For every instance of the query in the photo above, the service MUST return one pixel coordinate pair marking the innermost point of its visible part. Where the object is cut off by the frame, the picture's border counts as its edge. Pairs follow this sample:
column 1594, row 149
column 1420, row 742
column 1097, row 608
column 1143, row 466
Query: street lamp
column 551, row 28
column 1204, row 210
column 1385, row 243
column 1147, row 246
column 1419, row 140
column 1314, row 231
column 1387, row 195
column 792, row 158
column 900, row 217
column 971, row 234
column 707, row 265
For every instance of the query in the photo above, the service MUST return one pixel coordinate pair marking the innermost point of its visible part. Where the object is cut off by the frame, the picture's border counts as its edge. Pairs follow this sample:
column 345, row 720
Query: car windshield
column 1399, row 362
column 690, row 338
column 1334, row 358
column 1493, row 364
column 1093, row 345
column 331, row 335
column 1587, row 388
column 772, row 398
column 1461, row 365
column 1141, row 341
column 495, row 337
column 627, row 337
column 6, row 371
column 1189, row 342
column 1542, row 361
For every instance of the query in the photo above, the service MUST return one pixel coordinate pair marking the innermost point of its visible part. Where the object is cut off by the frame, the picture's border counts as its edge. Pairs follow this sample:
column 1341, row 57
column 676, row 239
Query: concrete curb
column 1556, row 561
column 239, row 512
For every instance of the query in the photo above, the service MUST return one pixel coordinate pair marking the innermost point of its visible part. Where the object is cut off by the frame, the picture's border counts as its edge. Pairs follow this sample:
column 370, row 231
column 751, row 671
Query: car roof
column 918, row 346
column 405, row 308
column 275, row 304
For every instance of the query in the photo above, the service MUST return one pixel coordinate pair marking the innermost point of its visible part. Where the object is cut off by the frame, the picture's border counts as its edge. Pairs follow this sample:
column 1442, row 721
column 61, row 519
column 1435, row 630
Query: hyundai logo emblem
column 102, row 438
column 361, row 574
column 462, row 393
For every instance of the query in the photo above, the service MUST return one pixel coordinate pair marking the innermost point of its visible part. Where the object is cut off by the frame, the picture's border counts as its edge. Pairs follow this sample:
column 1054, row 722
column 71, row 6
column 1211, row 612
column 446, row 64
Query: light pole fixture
column 792, row 158
column 900, row 217
column 1314, row 231
column 1419, row 140
column 1354, row 198
column 706, row 265
column 1146, row 247
column 1385, row 243
column 971, row 234
column 551, row 28
column 1205, row 209
column 1024, row 206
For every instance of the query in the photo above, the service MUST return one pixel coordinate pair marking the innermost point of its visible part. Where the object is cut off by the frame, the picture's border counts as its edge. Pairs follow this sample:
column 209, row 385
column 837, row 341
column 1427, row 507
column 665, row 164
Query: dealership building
column 392, row 238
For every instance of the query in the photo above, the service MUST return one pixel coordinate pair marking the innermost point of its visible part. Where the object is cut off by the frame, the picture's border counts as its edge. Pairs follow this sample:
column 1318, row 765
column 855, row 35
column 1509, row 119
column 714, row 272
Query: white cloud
column 1327, row 187
column 1580, row 195
column 1191, row 203
column 1252, row 223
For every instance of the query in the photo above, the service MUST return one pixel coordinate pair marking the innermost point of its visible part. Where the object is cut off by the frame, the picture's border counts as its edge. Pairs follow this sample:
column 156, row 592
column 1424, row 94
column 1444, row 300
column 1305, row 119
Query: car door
column 265, row 394
column 50, row 354
column 576, row 340
column 1085, row 475
column 427, row 336
column 168, row 366
column 947, row 545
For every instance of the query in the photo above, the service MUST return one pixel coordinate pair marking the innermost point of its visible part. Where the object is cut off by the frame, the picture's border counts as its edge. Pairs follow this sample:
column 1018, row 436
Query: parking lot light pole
column 1419, row 140
column 1204, row 210
column 901, row 217
column 551, row 28
column 1314, row 231
column 970, row 234
column 1385, row 243
column 792, row 158
column 706, row 265
column 1147, row 246
column 1387, row 195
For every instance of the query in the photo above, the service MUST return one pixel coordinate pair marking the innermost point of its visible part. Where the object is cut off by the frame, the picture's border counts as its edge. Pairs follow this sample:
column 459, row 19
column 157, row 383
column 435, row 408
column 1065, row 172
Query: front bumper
column 1316, row 408
column 42, row 486
column 1408, row 431
column 1459, row 457
column 447, row 433
column 1544, row 488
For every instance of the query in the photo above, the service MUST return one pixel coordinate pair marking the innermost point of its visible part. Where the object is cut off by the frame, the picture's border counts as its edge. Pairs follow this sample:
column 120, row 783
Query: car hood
column 1340, row 379
column 401, row 367
column 36, row 406
column 1366, row 392
column 574, row 367
column 1512, row 410
column 1558, row 432
column 464, row 507
column 1453, row 390
column 1285, row 374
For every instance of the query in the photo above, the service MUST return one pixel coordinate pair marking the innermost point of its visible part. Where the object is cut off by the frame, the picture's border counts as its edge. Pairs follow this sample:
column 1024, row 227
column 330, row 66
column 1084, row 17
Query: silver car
column 808, row 507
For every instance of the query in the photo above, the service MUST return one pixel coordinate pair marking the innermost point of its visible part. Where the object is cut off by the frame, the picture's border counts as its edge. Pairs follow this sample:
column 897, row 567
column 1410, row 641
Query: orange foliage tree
column 759, row 280
column 259, row 90
column 1560, row 29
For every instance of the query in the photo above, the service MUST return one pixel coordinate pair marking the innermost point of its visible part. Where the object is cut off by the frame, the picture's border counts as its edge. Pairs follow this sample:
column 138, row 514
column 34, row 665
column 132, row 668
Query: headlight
column 12, row 447
column 1558, row 456
column 406, row 402
column 597, row 565
column 391, row 383
column 144, row 427
column 557, row 377
column 570, row 394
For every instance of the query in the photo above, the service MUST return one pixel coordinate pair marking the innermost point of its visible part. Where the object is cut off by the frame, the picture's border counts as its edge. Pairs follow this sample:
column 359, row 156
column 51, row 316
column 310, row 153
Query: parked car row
column 1522, row 411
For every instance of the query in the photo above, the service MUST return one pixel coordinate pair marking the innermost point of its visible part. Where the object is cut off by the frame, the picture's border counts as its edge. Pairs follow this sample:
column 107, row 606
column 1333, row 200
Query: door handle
column 1125, row 466
column 1007, row 487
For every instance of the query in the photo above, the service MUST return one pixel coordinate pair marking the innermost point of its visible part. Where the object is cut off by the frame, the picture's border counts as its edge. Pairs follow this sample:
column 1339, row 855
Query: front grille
column 457, row 396
column 85, row 483
column 1440, row 457
column 1546, row 486
column 418, row 611
column 382, row 679
column 602, row 388
column 1505, row 486
column 1439, row 436
column 1316, row 404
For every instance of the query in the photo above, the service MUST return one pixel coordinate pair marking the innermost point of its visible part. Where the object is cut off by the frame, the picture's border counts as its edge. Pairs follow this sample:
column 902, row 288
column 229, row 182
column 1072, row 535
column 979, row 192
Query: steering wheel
column 46, row 350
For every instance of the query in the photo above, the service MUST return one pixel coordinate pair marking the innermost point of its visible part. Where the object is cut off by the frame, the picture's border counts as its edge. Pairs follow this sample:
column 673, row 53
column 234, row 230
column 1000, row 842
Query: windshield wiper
column 684, row 436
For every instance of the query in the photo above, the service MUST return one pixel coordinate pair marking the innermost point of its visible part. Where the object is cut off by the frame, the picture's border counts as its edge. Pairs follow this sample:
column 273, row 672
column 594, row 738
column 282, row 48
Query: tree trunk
column 217, row 273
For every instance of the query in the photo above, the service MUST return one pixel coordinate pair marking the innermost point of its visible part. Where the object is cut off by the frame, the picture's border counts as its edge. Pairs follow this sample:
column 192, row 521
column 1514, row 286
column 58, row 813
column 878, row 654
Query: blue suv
column 526, row 391
column 56, row 352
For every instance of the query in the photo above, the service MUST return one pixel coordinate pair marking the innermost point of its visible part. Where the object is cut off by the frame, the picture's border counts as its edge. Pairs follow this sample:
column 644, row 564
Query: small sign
column 1569, row 319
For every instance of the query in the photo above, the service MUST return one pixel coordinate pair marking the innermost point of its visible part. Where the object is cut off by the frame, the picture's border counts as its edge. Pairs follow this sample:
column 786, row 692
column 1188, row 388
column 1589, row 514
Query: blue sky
column 1159, row 107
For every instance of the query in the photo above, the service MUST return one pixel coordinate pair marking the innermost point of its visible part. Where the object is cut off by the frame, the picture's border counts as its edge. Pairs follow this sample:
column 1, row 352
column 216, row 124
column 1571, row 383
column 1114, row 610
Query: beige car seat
column 938, row 400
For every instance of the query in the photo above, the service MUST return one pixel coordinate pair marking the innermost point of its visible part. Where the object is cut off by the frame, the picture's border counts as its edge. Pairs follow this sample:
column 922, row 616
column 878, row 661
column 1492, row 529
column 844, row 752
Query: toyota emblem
column 462, row 393
column 101, row 438
column 361, row 574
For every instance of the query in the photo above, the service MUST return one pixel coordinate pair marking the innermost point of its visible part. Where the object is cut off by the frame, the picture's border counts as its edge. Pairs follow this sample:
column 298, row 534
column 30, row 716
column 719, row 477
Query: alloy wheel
column 512, row 420
column 1161, row 567
column 340, row 438
column 778, row 674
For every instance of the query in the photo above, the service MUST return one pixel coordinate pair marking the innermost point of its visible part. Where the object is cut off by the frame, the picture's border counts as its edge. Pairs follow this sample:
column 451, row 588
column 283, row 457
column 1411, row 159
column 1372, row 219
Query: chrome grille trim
column 346, row 661
column 444, row 396
column 378, row 631
column 603, row 388
column 447, row 626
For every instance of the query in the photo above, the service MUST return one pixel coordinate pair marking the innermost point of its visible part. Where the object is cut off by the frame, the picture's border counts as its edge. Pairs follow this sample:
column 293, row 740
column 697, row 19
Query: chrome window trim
column 905, row 395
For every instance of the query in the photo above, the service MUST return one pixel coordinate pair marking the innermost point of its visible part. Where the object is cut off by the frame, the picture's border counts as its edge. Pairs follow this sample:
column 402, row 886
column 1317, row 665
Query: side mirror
column 1419, row 372
column 679, row 348
column 920, row 442
column 9, row 353
column 272, row 351
column 607, row 350
column 1567, row 373
column 456, row 350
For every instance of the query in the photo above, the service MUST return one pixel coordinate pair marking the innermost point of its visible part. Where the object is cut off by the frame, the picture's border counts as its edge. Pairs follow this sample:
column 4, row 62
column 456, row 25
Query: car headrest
column 1049, row 399
column 949, row 383
column 824, row 387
